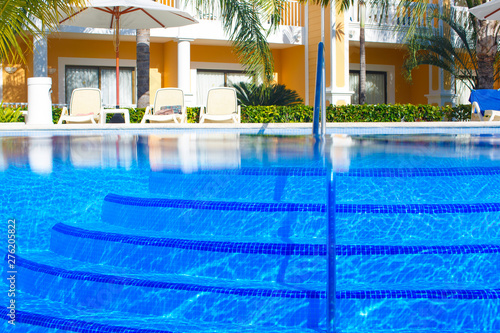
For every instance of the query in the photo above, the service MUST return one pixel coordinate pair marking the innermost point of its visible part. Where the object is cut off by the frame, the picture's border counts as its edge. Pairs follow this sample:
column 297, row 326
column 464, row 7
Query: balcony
column 391, row 25
column 290, row 31
column 292, row 15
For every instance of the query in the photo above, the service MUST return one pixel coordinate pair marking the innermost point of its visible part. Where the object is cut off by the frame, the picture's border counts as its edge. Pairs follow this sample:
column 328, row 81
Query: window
column 207, row 79
column 376, row 87
column 103, row 78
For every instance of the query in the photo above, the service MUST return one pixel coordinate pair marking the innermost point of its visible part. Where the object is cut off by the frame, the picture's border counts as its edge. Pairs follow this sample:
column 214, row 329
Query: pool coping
column 8, row 129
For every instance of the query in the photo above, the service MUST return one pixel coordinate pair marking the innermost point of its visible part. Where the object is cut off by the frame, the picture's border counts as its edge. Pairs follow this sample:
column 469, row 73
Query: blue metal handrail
column 320, row 93
column 320, row 105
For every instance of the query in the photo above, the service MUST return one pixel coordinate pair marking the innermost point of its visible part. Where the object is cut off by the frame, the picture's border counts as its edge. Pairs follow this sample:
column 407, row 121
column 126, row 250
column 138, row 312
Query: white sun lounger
column 166, row 100
column 85, row 107
column 485, row 105
column 222, row 106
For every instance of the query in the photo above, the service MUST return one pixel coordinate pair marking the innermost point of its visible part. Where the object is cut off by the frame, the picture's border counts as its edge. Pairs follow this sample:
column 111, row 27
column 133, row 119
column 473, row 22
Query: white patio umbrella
column 126, row 14
column 487, row 11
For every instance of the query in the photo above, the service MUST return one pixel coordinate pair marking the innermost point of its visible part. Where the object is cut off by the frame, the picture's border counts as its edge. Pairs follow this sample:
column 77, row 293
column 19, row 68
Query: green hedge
column 356, row 113
column 304, row 114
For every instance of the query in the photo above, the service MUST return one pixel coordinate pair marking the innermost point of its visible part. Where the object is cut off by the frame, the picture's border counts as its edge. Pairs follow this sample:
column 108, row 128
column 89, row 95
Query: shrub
column 263, row 95
column 277, row 114
column 300, row 113
column 10, row 115
column 458, row 113
column 383, row 113
column 193, row 115
column 356, row 113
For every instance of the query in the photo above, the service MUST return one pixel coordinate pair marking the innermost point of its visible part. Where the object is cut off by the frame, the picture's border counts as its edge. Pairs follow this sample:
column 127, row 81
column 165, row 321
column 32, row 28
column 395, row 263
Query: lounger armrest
column 64, row 112
column 202, row 114
column 148, row 112
column 475, row 108
column 184, row 115
column 476, row 112
column 239, row 113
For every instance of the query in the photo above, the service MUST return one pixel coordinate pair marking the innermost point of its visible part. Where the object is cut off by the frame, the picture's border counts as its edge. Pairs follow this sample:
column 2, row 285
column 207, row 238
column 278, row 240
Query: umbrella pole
column 117, row 48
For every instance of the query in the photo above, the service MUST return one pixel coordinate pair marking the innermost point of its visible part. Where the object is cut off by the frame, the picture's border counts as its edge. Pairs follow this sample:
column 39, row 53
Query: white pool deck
column 269, row 128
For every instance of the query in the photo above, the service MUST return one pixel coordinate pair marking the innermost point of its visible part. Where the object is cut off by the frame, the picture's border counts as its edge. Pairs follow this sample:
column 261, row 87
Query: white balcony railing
column 291, row 16
column 392, row 16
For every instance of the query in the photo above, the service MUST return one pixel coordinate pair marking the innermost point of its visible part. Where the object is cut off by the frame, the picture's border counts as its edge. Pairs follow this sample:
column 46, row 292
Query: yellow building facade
column 78, row 57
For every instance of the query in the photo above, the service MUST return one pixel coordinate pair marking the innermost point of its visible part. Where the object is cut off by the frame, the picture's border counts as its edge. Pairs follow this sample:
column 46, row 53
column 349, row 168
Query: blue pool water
column 227, row 233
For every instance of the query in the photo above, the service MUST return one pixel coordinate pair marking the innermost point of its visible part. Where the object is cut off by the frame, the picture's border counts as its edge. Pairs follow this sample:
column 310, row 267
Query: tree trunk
column 362, row 54
column 486, row 51
column 142, row 49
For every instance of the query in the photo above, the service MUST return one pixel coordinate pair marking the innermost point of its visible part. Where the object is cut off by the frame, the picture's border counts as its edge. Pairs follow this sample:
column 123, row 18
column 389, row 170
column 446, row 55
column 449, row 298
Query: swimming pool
column 225, row 232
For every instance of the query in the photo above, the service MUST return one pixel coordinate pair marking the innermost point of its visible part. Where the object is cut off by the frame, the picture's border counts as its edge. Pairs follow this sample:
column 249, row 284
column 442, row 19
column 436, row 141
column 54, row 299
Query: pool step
column 387, row 185
column 207, row 218
column 41, row 315
column 106, row 288
column 388, row 223
column 441, row 187
column 177, row 296
column 275, row 259
column 250, row 259
column 273, row 184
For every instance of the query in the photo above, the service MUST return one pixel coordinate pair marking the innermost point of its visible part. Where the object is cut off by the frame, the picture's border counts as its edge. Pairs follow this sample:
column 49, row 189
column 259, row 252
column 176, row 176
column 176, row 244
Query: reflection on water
column 40, row 154
column 340, row 152
column 103, row 151
column 193, row 152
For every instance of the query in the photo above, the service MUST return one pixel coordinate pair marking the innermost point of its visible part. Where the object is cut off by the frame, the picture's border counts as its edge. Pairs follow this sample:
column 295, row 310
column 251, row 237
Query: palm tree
column 456, row 54
column 486, row 51
column 481, row 47
column 22, row 19
column 142, row 51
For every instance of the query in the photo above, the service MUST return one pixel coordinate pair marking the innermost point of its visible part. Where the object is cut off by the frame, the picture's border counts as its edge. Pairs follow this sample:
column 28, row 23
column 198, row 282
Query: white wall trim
column 62, row 62
column 391, row 78
column 217, row 65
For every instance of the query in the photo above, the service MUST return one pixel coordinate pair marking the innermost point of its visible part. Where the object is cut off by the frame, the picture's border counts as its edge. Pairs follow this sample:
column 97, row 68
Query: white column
column 184, row 64
column 39, row 56
column 337, row 93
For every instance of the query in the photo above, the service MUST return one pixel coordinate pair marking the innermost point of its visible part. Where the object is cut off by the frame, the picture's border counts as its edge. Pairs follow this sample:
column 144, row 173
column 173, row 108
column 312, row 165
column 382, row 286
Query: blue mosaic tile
column 186, row 244
column 418, row 208
column 125, row 281
column 294, row 207
column 73, row 325
column 275, row 171
column 420, row 172
column 281, row 293
column 421, row 294
column 214, row 205
column 366, row 172
column 273, row 248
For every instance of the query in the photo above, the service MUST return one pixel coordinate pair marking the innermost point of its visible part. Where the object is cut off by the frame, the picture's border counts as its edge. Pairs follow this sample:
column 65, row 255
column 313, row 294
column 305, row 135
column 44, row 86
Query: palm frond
column 248, row 24
column 340, row 5
column 22, row 19
column 454, row 52
column 275, row 94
